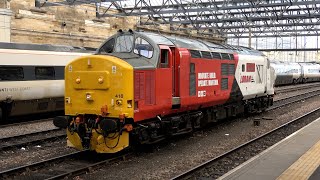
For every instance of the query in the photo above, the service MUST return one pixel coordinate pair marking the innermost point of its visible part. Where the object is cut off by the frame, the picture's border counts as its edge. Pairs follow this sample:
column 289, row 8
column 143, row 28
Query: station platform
column 295, row 157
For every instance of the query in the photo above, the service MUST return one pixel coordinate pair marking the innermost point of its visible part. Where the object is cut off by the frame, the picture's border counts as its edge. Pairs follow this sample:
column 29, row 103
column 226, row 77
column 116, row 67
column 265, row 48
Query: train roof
column 45, row 47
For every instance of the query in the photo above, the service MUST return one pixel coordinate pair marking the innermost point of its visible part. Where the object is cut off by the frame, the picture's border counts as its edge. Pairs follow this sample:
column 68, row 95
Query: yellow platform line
column 304, row 166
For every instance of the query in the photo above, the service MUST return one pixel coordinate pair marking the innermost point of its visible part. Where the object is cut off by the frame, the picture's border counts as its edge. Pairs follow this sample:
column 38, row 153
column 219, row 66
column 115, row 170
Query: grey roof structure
column 228, row 18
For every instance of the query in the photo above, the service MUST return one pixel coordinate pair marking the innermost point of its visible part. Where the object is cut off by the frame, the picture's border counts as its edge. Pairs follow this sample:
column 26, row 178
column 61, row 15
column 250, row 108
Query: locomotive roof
column 195, row 44
column 45, row 47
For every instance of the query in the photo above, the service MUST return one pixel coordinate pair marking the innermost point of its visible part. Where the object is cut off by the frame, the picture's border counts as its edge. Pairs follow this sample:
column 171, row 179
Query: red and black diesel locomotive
column 145, row 87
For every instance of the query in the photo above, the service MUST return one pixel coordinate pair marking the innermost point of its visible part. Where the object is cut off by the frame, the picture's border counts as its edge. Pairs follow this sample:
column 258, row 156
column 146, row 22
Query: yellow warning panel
column 304, row 166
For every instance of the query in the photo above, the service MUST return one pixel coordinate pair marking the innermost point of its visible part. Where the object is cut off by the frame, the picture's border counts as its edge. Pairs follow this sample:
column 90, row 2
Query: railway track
column 286, row 101
column 216, row 167
column 63, row 166
column 31, row 138
column 296, row 88
column 25, row 122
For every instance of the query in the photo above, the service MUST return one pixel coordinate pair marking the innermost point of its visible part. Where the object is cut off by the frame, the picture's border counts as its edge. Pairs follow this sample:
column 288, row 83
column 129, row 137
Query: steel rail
column 190, row 172
column 290, row 100
column 24, row 168
column 86, row 166
column 290, row 89
column 16, row 141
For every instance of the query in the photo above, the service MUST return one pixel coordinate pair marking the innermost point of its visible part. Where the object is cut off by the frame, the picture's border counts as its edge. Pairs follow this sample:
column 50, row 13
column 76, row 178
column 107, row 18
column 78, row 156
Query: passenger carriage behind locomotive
column 144, row 87
column 32, row 78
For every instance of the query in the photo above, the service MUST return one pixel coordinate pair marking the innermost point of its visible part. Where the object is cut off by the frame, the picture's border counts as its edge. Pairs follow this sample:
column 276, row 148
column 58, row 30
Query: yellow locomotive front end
column 99, row 103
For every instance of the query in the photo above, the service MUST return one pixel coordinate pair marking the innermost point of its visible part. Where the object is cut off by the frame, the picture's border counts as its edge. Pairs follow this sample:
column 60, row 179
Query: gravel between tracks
column 180, row 155
column 26, row 128
column 31, row 154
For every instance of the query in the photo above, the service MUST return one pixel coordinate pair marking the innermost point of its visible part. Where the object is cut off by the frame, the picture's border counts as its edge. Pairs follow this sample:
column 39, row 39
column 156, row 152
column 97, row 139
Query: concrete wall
column 74, row 25
column 5, row 23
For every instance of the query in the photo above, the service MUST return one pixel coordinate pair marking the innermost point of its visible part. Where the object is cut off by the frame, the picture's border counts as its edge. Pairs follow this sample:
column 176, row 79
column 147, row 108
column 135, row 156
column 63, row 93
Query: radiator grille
column 224, row 69
column 139, row 85
column 150, row 88
column 231, row 69
column 224, row 83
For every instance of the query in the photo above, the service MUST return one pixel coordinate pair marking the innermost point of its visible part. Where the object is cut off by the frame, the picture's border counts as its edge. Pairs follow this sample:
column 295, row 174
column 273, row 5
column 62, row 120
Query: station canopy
column 228, row 18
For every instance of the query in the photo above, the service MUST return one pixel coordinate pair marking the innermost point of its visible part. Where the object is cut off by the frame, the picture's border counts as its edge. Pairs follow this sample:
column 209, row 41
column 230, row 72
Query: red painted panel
column 251, row 67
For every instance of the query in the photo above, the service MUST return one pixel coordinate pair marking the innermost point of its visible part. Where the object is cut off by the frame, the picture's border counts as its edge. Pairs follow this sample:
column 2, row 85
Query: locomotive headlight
column 100, row 80
column 78, row 80
column 119, row 102
column 89, row 97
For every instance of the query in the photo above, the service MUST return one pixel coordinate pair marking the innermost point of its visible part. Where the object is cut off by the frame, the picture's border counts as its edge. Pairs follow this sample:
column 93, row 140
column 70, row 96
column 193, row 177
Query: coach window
column 243, row 68
column 143, row 48
column 11, row 73
column 43, row 73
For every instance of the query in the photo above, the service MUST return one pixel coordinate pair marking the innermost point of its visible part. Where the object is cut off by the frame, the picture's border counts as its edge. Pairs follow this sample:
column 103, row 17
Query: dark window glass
column 107, row 47
column 225, row 56
column 164, row 58
column 216, row 55
column 44, row 73
column 206, row 54
column 11, row 73
column 195, row 54
column 243, row 68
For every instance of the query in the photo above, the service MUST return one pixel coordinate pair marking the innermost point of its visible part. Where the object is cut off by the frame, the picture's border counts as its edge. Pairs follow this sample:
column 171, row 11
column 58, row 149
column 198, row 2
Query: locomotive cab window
column 243, row 68
column 11, row 73
column 107, row 47
column 44, row 73
column 164, row 58
column 124, row 43
column 143, row 48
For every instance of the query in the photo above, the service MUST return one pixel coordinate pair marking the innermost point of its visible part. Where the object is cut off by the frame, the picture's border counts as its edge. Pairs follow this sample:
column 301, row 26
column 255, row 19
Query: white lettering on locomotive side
column 207, row 83
column 210, row 75
column 202, row 93
column 207, row 79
